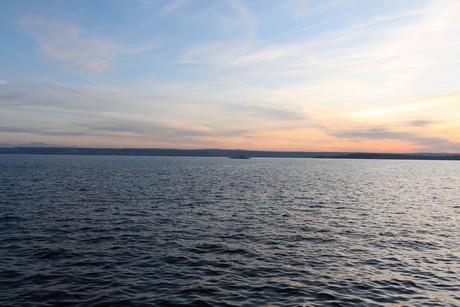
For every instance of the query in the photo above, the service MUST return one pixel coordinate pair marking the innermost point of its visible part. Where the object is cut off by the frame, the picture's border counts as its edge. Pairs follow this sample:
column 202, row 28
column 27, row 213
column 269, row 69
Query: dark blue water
column 97, row 230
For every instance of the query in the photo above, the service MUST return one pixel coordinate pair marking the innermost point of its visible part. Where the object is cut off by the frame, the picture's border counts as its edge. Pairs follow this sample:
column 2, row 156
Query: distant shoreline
column 222, row 153
column 390, row 156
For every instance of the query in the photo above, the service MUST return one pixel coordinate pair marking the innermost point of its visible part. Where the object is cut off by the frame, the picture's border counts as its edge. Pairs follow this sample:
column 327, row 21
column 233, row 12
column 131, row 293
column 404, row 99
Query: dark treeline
column 220, row 153
column 393, row 156
column 159, row 152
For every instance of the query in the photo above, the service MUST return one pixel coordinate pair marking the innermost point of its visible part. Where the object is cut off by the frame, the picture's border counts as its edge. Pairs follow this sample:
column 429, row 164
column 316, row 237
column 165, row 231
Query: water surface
column 113, row 230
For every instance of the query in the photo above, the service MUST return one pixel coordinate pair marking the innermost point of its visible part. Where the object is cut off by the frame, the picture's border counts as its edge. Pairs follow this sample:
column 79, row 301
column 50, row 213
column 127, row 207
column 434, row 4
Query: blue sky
column 278, row 75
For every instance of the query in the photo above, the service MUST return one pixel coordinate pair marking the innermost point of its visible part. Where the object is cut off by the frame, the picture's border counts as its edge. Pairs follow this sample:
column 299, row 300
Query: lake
column 114, row 230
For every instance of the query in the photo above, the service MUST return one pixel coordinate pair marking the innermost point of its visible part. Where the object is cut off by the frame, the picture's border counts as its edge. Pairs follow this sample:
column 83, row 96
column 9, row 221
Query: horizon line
column 52, row 146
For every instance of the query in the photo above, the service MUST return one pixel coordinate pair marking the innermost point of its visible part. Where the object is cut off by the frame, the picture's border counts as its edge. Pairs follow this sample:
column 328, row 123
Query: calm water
column 124, row 231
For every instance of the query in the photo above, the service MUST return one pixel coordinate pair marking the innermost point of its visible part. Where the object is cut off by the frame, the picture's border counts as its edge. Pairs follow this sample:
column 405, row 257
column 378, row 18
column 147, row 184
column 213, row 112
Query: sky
column 291, row 75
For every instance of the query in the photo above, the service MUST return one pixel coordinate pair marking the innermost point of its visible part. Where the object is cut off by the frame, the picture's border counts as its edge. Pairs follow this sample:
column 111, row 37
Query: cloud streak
column 378, row 133
column 67, row 44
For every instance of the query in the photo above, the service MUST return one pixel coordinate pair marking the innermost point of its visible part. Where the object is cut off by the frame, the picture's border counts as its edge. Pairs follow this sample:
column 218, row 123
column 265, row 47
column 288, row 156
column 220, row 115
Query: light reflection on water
column 159, row 230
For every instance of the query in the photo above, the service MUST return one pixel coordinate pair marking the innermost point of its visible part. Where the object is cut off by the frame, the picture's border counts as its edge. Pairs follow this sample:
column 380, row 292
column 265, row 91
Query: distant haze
column 343, row 76
column 31, row 144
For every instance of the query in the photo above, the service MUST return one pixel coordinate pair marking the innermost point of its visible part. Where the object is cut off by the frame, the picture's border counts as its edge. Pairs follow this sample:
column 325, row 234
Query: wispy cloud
column 13, row 99
column 163, row 6
column 69, row 45
column 277, row 114
column 387, row 51
column 442, row 106
column 240, row 20
column 421, row 122
column 423, row 141
column 180, row 111
column 41, row 131
column 3, row 82
column 171, row 6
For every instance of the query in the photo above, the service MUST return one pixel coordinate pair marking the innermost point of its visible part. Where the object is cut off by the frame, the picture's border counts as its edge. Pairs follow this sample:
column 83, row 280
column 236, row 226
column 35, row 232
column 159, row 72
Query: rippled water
column 94, row 230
